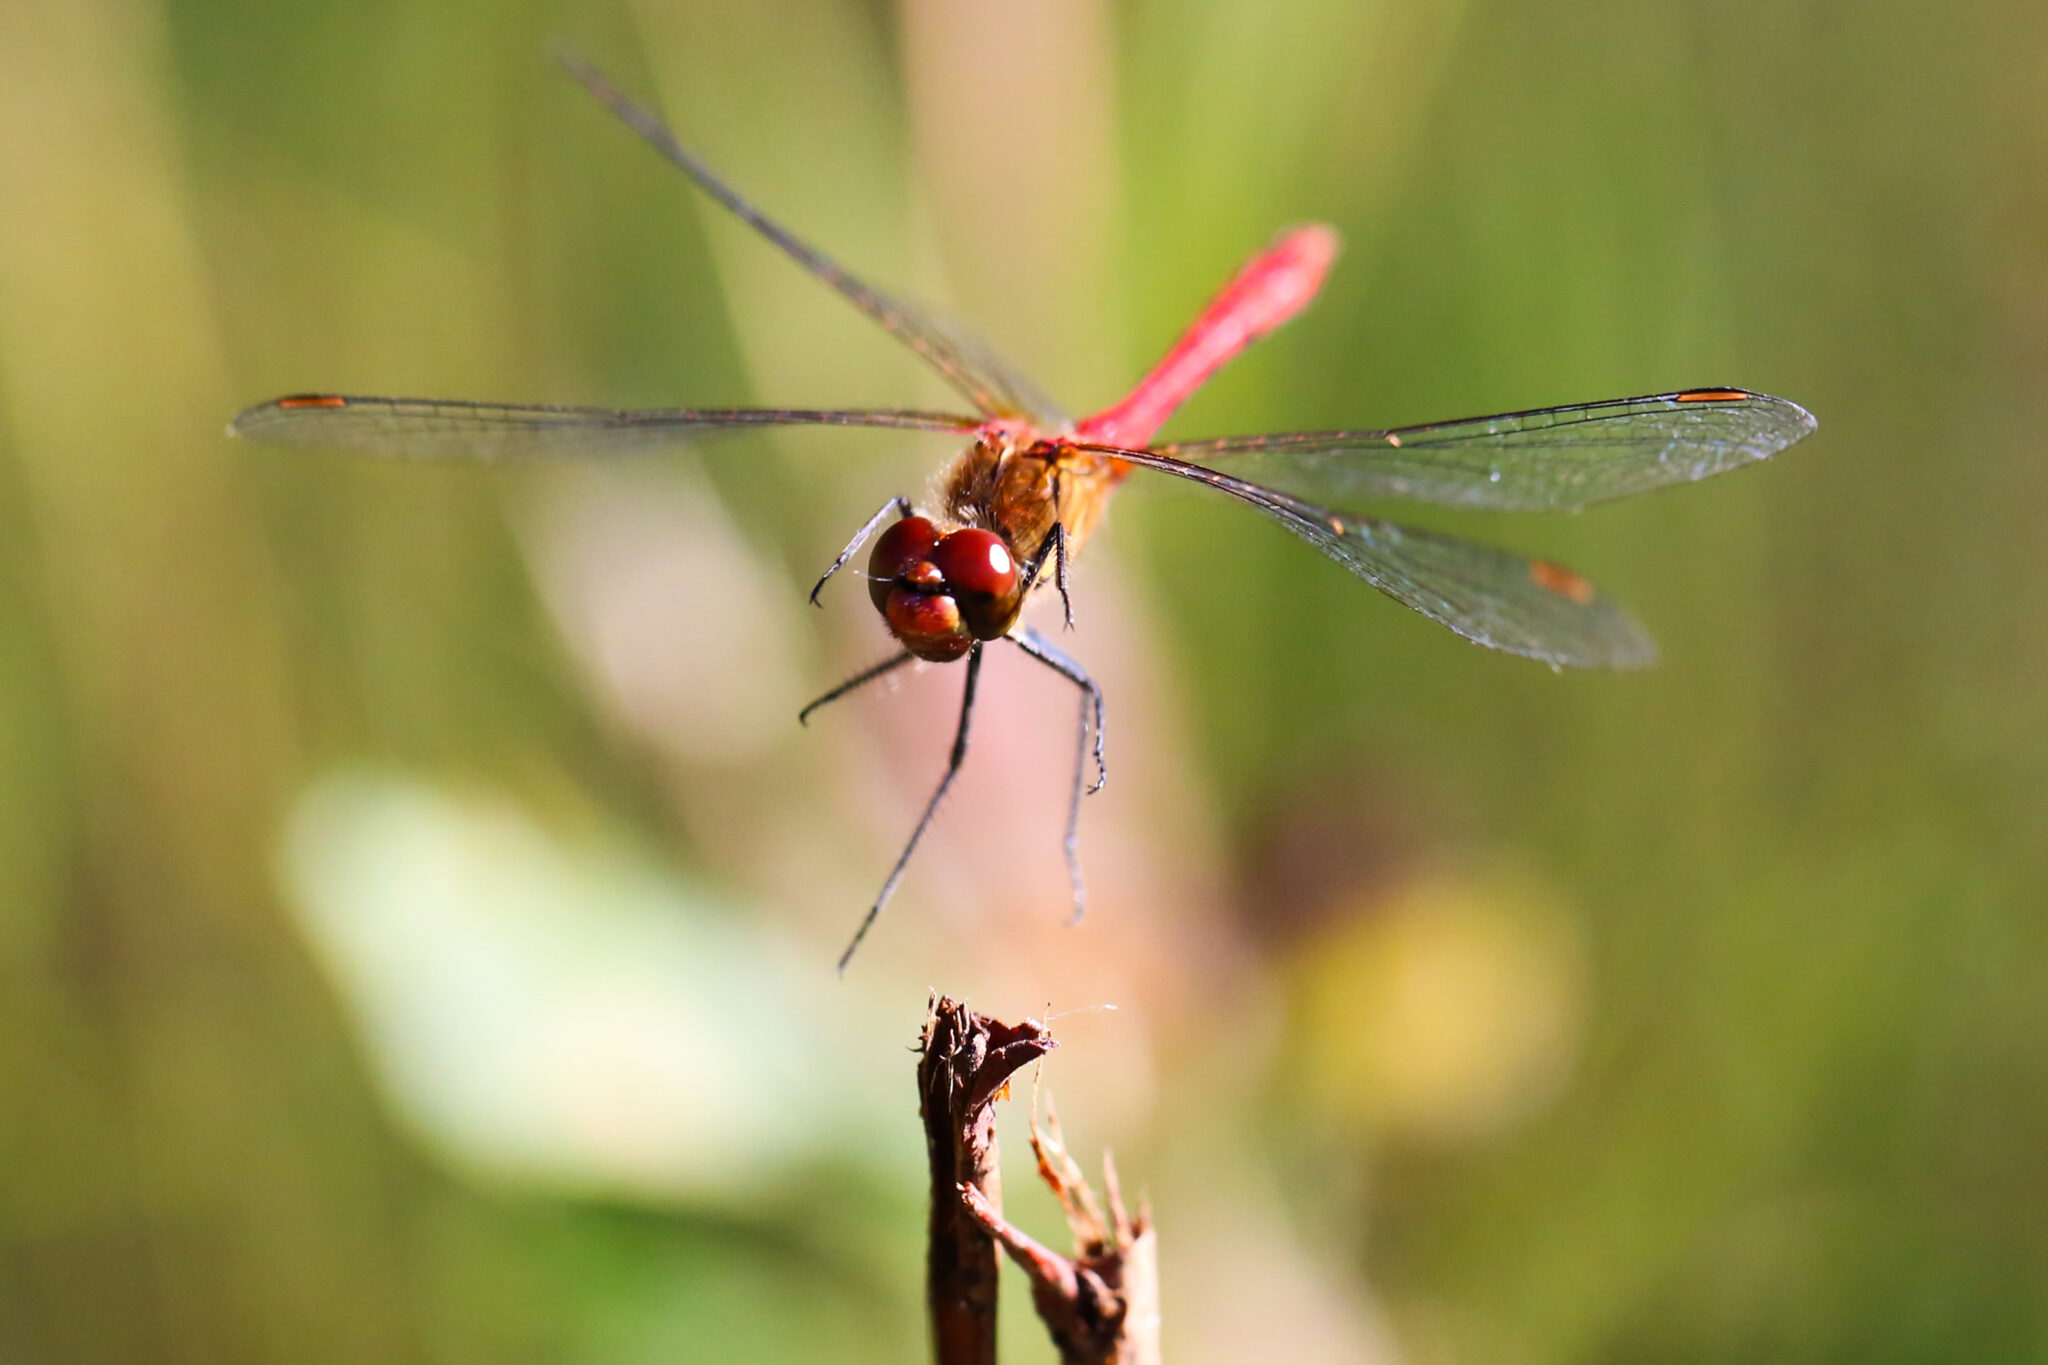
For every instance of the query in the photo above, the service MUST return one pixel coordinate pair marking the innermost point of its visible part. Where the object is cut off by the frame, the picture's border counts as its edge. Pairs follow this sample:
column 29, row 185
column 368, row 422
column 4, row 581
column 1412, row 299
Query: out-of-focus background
column 417, row 901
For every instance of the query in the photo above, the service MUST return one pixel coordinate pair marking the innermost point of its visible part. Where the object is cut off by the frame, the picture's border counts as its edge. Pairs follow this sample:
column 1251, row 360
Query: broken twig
column 1101, row 1304
column 967, row 1060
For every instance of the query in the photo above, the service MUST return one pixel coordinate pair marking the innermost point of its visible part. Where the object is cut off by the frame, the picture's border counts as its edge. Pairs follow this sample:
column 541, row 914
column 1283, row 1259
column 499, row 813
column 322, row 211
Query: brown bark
column 967, row 1061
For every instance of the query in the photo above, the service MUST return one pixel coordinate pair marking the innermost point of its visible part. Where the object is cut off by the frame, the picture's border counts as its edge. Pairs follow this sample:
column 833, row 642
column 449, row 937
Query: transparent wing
column 1523, row 606
column 441, row 426
column 969, row 364
column 1549, row 459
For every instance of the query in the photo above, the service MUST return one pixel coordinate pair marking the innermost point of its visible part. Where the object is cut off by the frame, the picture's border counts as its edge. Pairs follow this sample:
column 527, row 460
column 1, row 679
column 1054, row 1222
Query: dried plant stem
column 1101, row 1305
column 967, row 1060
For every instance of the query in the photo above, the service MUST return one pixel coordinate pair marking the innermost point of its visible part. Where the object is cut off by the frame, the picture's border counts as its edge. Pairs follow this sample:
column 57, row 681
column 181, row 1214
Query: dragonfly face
column 940, row 593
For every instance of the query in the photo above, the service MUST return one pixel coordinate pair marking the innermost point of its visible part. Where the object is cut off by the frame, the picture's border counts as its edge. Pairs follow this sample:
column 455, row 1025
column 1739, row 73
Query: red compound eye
column 981, row 574
column 907, row 543
column 977, row 564
column 927, row 624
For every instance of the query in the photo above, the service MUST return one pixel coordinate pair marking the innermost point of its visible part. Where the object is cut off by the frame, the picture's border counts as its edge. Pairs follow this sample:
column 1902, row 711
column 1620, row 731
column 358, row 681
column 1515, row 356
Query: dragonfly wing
column 430, row 427
column 970, row 365
column 1522, row 606
column 1530, row 607
column 1549, row 459
column 956, row 349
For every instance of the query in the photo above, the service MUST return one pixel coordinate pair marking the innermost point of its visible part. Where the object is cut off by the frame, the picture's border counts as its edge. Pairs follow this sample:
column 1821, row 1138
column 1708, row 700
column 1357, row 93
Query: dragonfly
column 1012, row 510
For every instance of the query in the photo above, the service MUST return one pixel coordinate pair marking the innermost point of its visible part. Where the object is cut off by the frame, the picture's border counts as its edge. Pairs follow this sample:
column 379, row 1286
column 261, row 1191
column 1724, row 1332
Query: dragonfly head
column 941, row 593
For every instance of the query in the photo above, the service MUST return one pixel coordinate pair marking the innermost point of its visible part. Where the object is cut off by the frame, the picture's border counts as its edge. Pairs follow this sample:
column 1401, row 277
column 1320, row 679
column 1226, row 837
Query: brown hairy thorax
column 1007, row 487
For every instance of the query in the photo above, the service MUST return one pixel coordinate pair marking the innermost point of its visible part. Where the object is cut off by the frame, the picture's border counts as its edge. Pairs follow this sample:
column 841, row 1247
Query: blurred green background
column 417, row 902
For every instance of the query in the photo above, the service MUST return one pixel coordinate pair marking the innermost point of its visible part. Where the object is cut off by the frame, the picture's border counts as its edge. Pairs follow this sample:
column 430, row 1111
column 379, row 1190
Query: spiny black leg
column 1054, row 549
column 1037, row 565
column 1032, row 643
column 931, row 807
column 1043, row 650
column 1059, row 551
column 1059, row 572
column 858, row 680
column 899, row 504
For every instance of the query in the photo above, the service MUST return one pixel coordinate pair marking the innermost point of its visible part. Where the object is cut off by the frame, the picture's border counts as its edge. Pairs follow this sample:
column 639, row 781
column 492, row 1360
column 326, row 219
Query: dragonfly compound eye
column 981, row 574
column 928, row 624
column 898, row 551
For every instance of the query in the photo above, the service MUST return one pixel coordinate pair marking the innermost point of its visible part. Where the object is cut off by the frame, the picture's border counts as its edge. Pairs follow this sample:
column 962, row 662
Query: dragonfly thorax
column 1018, row 484
column 939, row 593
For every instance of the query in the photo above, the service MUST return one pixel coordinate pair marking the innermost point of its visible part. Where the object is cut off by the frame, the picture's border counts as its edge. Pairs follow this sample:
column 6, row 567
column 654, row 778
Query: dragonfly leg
column 1055, row 553
column 1055, row 550
column 854, row 683
column 1059, row 552
column 931, row 807
column 1092, row 714
column 1059, row 573
column 899, row 504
